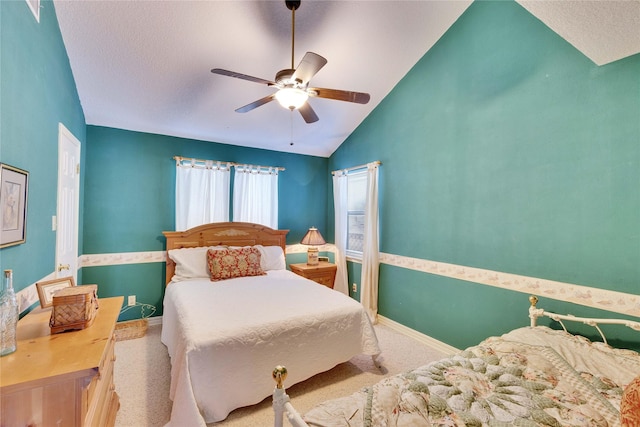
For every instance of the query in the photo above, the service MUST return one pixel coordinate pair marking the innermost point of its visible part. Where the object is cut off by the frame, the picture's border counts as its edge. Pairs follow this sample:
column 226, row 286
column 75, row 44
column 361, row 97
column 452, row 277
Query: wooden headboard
column 221, row 234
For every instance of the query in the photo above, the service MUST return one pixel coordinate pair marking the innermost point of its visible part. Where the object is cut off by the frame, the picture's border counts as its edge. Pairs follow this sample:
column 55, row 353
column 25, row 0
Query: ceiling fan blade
column 307, row 113
column 311, row 63
column 228, row 73
column 256, row 104
column 340, row 95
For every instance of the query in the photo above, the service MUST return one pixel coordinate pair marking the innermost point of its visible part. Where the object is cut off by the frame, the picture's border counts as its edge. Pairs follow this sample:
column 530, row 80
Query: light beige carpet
column 142, row 377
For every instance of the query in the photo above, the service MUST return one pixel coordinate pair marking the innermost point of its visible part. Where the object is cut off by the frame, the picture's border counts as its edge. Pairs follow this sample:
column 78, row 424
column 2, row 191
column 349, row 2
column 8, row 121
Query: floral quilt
column 500, row 382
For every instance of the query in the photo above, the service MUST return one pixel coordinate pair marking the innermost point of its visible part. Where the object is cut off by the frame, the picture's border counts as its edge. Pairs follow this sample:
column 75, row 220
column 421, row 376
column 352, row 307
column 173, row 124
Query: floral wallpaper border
column 98, row 260
column 614, row 301
column 617, row 302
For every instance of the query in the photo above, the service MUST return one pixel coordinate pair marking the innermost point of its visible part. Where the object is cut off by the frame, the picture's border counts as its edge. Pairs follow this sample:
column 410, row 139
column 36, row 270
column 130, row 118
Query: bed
column 225, row 327
column 531, row 376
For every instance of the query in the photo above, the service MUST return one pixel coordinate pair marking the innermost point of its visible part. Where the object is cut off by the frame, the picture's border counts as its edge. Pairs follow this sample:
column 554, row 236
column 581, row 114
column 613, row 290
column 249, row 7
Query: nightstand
column 323, row 273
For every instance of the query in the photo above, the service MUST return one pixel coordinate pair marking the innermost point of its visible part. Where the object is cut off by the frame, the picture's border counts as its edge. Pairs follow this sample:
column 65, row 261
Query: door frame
column 67, row 139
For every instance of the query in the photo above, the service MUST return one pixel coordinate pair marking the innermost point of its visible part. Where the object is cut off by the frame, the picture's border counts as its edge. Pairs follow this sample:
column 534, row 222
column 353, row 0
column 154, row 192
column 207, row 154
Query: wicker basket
column 131, row 329
column 74, row 308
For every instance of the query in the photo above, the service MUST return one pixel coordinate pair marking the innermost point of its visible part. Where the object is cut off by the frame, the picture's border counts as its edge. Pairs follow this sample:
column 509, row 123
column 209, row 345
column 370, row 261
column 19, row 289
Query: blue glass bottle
column 8, row 315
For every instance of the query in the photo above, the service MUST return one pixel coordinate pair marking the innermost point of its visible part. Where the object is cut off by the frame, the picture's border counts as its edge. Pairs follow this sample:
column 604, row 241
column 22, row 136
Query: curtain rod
column 180, row 158
column 377, row 162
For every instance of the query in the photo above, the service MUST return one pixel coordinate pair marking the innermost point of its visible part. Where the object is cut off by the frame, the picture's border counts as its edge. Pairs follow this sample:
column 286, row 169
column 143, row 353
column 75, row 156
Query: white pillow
column 191, row 263
column 271, row 258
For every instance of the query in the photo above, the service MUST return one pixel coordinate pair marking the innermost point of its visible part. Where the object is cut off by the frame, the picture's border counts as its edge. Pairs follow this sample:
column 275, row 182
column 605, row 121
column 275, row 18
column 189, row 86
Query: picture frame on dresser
column 14, row 183
column 47, row 288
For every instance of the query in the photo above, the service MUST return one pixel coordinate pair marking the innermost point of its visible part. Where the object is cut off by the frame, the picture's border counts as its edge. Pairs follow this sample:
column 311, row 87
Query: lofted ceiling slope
column 145, row 65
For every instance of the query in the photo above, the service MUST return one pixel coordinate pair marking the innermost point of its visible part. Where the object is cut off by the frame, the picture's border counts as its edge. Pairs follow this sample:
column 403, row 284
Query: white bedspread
column 225, row 338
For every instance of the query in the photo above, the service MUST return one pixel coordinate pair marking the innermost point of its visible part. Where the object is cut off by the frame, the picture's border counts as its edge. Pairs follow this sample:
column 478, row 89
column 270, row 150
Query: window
column 255, row 195
column 202, row 193
column 356, row 199
column 203, row 190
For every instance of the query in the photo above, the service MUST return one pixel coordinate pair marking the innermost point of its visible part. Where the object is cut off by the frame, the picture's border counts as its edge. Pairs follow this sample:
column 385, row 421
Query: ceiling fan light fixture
column 291, row 97
column 293, row 83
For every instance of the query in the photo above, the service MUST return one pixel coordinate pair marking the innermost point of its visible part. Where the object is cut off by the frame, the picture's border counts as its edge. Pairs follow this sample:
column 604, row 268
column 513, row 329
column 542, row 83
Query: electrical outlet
column 354, row 287
column 132, row 300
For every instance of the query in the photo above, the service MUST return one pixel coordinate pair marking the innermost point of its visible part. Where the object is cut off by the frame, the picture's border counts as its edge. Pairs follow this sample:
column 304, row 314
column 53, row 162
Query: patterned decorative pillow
column 238, row 262
column 630, row 404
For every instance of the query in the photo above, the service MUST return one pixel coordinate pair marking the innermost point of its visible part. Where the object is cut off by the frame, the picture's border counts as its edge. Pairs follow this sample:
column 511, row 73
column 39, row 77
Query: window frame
column 352, row 254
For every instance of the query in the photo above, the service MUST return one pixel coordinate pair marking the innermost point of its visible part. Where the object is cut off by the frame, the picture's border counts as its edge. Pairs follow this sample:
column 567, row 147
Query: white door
column 68, row 204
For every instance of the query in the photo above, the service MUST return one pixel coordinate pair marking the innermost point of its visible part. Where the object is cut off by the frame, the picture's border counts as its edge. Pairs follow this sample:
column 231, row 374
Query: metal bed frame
column 534, row 313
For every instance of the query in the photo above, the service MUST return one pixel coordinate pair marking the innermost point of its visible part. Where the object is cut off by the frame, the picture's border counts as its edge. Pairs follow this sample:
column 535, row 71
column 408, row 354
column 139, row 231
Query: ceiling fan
column 293, row 83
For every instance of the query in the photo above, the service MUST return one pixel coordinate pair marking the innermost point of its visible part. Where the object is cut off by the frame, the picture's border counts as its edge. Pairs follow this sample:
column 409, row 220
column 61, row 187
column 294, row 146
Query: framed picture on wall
column 13, row 205
column 48, row 288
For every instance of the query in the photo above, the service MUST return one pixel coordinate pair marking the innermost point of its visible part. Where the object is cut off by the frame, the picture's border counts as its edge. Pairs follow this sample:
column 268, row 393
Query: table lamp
column 313, row 238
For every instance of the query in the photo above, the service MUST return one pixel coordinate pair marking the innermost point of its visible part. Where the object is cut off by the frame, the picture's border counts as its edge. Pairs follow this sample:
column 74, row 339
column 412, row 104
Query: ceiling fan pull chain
column 291, row 117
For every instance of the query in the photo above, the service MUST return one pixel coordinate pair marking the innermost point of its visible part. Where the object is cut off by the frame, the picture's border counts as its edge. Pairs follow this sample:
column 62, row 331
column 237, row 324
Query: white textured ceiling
column 603, row 30
column 145, row 65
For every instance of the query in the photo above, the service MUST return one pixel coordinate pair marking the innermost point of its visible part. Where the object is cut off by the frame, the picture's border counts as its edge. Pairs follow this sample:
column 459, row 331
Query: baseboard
column 157, row 320
column 412, row 333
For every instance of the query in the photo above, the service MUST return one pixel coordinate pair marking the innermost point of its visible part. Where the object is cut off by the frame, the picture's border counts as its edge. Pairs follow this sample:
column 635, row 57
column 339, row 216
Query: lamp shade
column 313, row 237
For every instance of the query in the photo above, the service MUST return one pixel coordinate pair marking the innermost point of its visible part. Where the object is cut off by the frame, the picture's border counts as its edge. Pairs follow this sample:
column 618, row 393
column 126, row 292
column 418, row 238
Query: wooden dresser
column 323, row 273
column 63, row 379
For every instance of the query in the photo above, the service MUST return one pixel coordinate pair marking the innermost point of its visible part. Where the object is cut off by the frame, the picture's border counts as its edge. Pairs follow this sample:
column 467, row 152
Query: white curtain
column 340, row 186
column 202, row 193
column 370, row 253
column 255, row 195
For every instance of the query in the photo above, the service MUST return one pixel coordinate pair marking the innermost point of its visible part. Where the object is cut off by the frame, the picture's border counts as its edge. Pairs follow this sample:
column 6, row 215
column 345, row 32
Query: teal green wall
column 506, row 149
column 130, row 200
column 37, row 91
